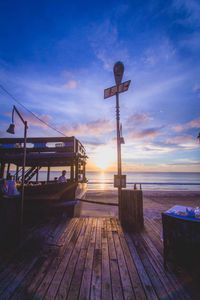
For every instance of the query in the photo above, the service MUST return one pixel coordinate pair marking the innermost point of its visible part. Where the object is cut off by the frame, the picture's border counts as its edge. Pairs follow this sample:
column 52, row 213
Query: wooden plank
column 8, row 257
column 149, row 290
column 106, row 280
column 78, row 272
column 22, row 268
column 155, row 239
column 96, row 274
column 117, row 292
column 37, row 281
column 19, row 264
column 135, row 279
column 71, row 260
column 126, row 283
column 175, row 291
column 87, row 274
column 153, row 244
column 157, row 284
column 56, row 262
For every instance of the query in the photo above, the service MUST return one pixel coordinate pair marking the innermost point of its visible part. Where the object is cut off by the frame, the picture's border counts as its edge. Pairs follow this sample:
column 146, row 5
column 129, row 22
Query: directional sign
column 123, row 87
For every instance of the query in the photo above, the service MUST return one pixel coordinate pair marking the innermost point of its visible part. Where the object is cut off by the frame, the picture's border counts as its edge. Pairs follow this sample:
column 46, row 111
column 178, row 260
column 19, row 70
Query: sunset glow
column 104, row 158
column 56, row 60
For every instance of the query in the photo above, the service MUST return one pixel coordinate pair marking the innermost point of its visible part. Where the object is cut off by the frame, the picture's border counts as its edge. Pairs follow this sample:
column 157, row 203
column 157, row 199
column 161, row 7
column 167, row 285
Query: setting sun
column 104, row 158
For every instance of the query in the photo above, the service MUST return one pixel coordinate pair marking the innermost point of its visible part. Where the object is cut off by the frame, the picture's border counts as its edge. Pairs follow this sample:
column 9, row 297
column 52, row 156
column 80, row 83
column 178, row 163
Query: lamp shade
column 11, row 128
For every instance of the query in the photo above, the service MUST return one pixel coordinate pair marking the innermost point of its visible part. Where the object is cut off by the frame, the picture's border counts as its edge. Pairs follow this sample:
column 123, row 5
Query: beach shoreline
column 154, row 202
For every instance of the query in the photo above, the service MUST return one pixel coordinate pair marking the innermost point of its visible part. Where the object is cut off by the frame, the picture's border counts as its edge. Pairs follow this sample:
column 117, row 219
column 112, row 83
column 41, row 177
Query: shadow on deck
column 83, row 258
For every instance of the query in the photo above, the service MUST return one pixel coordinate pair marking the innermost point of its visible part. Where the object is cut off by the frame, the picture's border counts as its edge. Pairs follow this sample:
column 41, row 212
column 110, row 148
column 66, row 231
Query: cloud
column 163, row 52
column 192, row 9
column 149, row 133
column 70, row 84
column 179, row 139
column 95, row 128
column 139, row 118
column 185, row 162
column 192, row 124
column 105, row 42
column 186, row 142
column 157, row 148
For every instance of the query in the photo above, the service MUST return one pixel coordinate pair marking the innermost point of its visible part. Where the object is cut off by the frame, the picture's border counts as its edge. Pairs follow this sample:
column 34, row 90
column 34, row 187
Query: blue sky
column 57, row 57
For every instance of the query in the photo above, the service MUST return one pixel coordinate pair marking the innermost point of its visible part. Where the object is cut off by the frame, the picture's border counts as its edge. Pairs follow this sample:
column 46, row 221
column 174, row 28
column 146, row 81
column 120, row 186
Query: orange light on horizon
column 104, row 158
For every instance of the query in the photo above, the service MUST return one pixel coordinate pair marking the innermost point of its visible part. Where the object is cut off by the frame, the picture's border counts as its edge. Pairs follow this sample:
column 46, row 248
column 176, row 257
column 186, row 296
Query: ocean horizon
column 157, row 181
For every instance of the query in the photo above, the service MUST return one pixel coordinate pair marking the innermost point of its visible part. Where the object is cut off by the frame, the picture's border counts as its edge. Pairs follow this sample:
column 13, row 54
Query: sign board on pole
column 123, row 87
column 120, row 181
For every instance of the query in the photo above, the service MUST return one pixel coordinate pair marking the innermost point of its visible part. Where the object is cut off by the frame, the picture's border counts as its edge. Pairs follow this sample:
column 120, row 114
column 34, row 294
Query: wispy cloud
column 149, row 133
column 185, row 162
column 139, row 118
column 71, row 84
column 192, row 124
column 106, row 44
column 177, row 140
column 184, row 142
column 94, row 128
column 192, row 9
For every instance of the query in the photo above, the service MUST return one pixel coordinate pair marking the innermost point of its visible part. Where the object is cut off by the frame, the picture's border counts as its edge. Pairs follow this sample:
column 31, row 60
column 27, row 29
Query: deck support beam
column 37, row 174
column 2, row 169
column 48, row 173
column 8, row 170
column 17, row 171
column 72, row 173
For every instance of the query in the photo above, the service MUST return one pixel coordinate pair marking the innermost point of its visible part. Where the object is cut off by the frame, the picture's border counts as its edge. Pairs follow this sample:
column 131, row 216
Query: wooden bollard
column 131, row 207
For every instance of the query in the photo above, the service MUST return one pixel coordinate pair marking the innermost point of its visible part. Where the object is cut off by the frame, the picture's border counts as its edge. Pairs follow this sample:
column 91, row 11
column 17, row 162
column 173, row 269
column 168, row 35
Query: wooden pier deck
column 91, row 258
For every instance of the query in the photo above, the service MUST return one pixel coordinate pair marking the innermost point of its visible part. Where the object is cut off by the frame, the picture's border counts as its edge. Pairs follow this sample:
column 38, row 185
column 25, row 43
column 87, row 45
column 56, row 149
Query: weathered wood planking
column 92, row 258
column 131, row 207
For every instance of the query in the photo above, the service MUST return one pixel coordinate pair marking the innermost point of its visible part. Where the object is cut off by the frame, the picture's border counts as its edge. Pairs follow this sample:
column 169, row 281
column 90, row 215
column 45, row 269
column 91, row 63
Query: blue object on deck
column 39, row 145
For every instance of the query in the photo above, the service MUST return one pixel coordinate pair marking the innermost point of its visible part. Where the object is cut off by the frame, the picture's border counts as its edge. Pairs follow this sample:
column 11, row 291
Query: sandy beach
column 154, row 202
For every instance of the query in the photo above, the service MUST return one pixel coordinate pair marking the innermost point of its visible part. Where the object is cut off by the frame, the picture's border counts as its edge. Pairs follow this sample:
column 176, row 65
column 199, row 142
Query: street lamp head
column 118, row 72
column 11, row 128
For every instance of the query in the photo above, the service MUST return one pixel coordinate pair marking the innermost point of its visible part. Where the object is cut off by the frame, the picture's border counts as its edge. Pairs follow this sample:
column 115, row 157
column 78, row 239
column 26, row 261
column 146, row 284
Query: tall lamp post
column 11, row 130
column 119, row 180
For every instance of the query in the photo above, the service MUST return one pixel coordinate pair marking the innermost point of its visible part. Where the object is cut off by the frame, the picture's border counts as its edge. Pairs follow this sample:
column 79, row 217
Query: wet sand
column 154, row 202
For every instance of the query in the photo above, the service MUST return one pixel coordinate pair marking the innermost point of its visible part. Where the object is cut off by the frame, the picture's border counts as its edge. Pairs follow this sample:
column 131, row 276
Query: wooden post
column 76, row 171
column 2, row 171
column 131, row 207
column 37, row 174
column 84, row 178
column 72, row 173
column 17, row 171
column 8, row 170
column 48, row 173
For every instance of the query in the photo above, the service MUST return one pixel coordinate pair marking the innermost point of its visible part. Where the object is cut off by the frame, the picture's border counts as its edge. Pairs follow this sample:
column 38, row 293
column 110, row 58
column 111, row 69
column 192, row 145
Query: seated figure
column 11, row 186
column 62, row 178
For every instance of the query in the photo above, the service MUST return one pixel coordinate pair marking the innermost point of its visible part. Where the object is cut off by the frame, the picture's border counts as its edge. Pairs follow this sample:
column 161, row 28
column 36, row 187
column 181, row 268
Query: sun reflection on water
column 102, row 181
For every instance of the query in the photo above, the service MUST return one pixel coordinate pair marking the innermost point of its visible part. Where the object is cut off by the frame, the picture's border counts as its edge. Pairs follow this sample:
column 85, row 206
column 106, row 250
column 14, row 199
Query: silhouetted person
column 62, row 178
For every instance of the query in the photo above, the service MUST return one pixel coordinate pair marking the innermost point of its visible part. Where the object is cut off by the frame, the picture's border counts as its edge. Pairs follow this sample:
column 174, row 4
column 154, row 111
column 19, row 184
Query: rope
column 47, row 124
column 97, row 202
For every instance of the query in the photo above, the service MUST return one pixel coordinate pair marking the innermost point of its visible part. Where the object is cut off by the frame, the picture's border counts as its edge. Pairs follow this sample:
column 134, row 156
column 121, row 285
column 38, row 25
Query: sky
column 57, row 57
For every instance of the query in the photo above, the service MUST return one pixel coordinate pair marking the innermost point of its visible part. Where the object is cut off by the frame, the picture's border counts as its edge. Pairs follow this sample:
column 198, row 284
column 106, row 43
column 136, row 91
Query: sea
column 154, row 181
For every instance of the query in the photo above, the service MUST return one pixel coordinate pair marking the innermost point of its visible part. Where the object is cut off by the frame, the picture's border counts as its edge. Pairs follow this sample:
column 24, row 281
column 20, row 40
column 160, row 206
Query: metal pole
column 23, row 175
column 118, row 152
